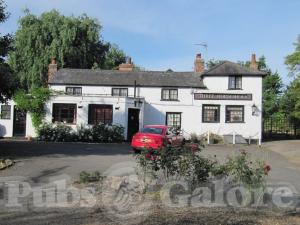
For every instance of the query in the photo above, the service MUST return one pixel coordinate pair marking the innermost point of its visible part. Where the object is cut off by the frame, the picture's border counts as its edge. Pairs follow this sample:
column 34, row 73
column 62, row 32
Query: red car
column 155, row 136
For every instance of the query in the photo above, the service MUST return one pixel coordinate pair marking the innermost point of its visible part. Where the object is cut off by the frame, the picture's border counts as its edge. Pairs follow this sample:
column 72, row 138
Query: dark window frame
column 236, row 82
column 7, row 114
column 92, row 114
column 227, row 120
column 73, row 92
column 119, row 92
column 218, row 113
column 176, row 113
column 57, row 110
column 169, row 94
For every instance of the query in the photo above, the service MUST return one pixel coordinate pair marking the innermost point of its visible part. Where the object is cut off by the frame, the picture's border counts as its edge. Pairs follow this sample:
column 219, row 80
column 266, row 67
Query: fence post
column 208, row 136
column 233, row 138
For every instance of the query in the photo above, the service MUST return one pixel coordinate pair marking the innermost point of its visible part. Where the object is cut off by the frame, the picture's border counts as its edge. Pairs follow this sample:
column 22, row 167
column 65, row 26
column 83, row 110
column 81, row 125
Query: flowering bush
column 188, row 164
column 242, row 170
column 176, row 163
column 98, row 133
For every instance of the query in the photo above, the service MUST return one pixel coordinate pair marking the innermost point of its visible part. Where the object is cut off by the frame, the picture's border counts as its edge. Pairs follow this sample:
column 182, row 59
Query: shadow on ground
column 24, row 149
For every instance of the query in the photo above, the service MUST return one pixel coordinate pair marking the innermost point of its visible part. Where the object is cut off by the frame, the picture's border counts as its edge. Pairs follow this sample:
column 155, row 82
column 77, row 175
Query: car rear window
column 152, row 130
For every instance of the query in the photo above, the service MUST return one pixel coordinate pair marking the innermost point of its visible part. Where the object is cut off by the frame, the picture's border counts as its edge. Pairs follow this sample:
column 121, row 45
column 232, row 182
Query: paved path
column 38, row 162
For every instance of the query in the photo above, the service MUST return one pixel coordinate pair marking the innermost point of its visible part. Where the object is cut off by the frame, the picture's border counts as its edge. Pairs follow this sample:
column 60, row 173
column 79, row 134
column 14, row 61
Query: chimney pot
column 52, row 69
column 128, row 60
column 253, row 63
column 53, row 61
column 128, row 66
column 199, row 64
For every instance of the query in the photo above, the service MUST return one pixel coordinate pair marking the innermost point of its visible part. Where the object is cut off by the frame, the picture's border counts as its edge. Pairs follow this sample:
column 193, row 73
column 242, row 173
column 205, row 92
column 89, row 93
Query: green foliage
column 100, row 133
column 113, row 58
column 290, row 102
column 74, row 41
column 213, row 62
column 242, row 170
column 86, row 177
column 293, row 60
column 33, row 103
column 59, row 133
column 188, row 164
column 179, row 163
column 8, row 82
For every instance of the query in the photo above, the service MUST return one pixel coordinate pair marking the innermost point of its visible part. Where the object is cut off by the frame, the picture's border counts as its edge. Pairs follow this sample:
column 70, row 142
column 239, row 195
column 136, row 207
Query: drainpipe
column 134, row 88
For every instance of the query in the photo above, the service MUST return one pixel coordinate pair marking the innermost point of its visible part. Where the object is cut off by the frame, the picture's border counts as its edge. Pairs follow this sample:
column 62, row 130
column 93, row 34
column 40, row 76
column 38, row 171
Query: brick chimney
column 199, row 64
column 128, row 66
column 253, row 63
column 52, row 69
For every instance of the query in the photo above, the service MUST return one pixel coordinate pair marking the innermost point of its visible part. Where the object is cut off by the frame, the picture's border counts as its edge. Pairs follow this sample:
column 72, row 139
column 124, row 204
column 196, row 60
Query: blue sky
column 161, row 34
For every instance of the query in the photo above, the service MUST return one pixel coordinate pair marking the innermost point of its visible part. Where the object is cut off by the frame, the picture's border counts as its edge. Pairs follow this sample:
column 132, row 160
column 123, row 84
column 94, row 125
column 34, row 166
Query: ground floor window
column 211, row 113
column 100, row 114
column 5, row 112
column 234, row 114
column 173, row 119
column 64, row 113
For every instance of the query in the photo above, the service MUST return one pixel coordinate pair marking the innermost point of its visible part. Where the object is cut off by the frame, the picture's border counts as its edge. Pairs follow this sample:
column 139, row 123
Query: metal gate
column 280, row 128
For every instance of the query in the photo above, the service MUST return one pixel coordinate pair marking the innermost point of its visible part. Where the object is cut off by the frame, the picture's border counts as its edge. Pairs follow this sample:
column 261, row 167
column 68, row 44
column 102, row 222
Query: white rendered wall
column 6, row 126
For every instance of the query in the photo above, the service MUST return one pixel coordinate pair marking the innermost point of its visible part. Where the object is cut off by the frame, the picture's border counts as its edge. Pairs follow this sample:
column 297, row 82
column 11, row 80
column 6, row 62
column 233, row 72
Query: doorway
column 133, row 122
column 19, row 123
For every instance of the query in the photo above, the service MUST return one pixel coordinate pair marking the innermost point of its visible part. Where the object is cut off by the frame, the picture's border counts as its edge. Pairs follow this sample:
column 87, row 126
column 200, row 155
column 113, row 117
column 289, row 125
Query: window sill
column 233, row 89
column 61, row 123
column 211, row 122
column 169, row 100
column 235, row 122
column 5, row 119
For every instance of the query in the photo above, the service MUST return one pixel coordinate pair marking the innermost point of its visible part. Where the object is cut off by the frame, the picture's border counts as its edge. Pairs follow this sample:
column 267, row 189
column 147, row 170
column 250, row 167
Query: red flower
column 148, row 155
column 267, row 169
column 194, row 148
column 153, row 157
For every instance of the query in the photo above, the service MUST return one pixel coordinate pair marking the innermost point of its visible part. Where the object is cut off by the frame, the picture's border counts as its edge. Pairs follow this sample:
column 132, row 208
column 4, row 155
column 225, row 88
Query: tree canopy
column 74, row 41
column 293, row 60
column 7, row 80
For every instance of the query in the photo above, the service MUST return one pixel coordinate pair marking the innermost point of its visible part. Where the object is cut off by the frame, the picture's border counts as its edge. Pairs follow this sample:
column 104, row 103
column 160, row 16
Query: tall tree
column 112, row 58
column 74, row 41
column 293, row 60
column 7, row 80
column 291, row 98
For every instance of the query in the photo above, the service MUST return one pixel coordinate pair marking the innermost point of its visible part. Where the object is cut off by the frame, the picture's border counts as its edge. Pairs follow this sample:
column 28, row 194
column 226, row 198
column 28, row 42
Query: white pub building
column 225, row 100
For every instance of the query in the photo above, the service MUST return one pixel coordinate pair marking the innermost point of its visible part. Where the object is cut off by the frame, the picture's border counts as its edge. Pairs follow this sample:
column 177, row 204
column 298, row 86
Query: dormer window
column 235, row 82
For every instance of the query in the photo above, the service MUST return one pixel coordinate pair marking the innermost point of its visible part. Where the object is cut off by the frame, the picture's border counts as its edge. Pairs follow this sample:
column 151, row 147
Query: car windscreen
column 152, row 130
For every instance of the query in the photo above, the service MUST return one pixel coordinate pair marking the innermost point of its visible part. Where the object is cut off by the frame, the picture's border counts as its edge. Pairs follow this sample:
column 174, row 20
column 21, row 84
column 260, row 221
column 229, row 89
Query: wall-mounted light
column 254, row 109
column 80, row 105
column 117, row 108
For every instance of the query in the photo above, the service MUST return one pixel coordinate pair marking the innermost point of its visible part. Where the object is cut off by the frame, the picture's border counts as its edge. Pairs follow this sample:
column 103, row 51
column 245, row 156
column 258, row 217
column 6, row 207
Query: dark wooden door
column 133, row 123
column 19, row 122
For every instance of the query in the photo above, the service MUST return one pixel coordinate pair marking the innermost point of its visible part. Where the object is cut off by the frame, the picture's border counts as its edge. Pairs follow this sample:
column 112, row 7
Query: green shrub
column 107, row 133
column 242, row 170
column 56, row 133
column 63, row 133
column 84, row 134
column 182, row 163
column 86, row 177
column 188, row 164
